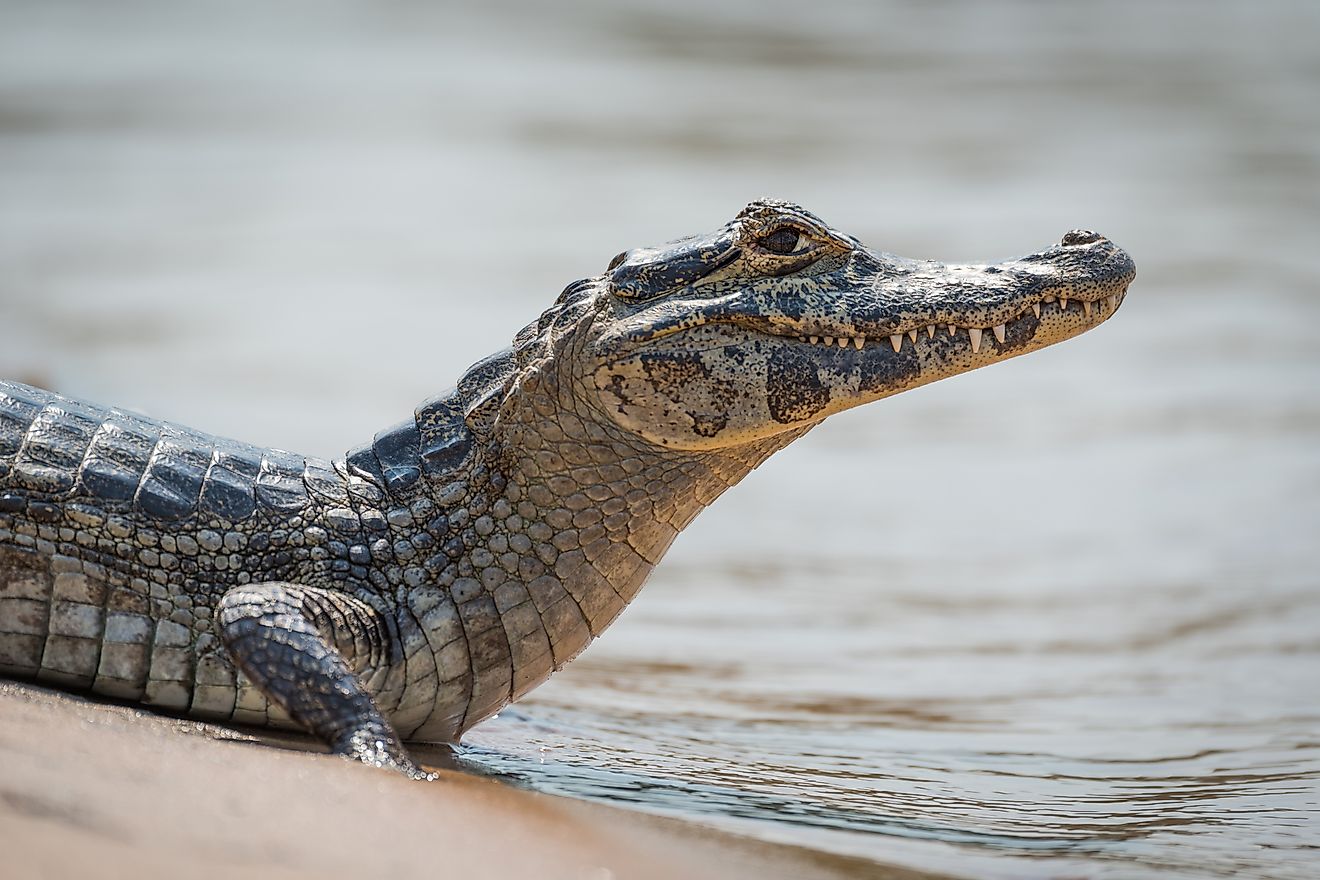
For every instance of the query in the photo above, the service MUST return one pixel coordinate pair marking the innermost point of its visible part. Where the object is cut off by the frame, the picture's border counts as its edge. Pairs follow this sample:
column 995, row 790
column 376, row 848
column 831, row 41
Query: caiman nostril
column 614, row 263
column 1080, row 236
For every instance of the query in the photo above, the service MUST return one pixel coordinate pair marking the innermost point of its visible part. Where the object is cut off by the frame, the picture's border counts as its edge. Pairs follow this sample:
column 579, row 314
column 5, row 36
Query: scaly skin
column 413, row 588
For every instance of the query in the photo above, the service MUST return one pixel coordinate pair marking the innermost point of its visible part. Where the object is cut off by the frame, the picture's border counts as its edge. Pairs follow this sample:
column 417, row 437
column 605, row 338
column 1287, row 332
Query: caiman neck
column 612, row 501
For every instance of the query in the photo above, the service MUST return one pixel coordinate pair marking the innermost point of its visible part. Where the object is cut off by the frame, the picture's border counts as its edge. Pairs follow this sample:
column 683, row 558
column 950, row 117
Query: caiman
column 415, row 586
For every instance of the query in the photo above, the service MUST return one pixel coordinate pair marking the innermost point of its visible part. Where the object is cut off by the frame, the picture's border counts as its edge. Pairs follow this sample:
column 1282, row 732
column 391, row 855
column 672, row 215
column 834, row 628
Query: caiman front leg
column 296, row 644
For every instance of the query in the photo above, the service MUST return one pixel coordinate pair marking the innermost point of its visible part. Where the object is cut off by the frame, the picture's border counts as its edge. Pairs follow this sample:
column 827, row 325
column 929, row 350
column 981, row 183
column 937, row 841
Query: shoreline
column 99, row 789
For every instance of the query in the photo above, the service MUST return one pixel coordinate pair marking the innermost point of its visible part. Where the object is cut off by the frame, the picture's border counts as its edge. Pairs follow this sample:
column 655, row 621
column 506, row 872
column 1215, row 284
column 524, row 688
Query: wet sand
column 90, row 789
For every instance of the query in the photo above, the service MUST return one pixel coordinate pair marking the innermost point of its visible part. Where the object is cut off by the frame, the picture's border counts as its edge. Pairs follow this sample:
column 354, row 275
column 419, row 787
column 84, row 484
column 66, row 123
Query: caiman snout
column 1080, row 236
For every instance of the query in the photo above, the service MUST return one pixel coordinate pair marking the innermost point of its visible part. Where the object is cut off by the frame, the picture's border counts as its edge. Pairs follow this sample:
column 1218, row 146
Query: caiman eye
column 784, row 240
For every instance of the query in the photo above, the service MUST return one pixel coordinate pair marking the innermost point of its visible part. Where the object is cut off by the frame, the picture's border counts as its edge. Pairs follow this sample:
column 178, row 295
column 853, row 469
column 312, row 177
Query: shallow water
column 1057, row 618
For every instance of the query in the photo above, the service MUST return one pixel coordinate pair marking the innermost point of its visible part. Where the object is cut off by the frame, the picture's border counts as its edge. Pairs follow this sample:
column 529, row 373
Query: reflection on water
column 1091, row 740
column 1058, row 618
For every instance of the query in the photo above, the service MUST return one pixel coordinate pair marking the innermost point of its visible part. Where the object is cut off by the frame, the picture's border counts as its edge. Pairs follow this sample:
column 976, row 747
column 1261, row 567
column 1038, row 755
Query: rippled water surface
column 1059, row 618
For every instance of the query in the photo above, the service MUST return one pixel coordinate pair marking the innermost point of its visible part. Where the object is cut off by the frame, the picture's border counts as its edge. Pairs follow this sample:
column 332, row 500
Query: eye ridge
column 782, row 241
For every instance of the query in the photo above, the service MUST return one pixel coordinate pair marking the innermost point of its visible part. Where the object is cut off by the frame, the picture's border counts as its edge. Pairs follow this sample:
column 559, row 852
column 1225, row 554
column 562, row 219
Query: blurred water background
column 1059, row 618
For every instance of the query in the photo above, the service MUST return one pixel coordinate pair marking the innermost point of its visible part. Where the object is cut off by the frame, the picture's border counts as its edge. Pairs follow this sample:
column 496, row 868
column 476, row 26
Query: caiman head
column 776, row 320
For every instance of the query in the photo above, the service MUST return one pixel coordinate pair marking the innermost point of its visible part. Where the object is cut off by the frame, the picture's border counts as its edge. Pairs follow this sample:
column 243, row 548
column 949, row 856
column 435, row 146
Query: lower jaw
column 883, row 368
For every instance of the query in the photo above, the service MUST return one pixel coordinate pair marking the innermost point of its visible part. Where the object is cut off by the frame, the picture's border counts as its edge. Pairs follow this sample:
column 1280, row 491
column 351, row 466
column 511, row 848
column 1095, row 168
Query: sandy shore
column 88, row 789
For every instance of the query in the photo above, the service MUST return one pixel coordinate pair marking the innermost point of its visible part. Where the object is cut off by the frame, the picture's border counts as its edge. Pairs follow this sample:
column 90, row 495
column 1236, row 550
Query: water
column 1054, row 619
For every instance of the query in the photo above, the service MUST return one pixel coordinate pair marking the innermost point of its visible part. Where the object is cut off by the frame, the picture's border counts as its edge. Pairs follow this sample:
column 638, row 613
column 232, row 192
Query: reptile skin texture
column 414, row 587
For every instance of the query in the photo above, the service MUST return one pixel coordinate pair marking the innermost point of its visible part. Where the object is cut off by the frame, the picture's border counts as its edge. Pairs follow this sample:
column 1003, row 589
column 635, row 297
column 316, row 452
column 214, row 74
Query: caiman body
column 412, row 588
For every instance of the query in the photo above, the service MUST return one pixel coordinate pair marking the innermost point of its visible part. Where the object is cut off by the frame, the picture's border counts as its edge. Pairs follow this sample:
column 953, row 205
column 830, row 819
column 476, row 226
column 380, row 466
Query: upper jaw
column 879, row 298
column 895, row 296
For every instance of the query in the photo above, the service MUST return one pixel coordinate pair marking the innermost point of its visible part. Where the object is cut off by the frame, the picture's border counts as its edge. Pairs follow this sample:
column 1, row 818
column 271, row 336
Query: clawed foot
column 282, row 636
column 381, row 753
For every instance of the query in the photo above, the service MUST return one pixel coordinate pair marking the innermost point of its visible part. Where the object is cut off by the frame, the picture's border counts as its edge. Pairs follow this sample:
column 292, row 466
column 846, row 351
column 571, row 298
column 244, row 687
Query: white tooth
column 975, row 333
column 843, row 341
column 999, row 332
column 896, row 341
column 1113, row 301
column 953, row 330
column 1035, row 307
column 1063, row 302
column 858, row 342
column 829, row 340
column 912, row 334
column 1086, row 307
column 930, row 331
column 815, row 339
